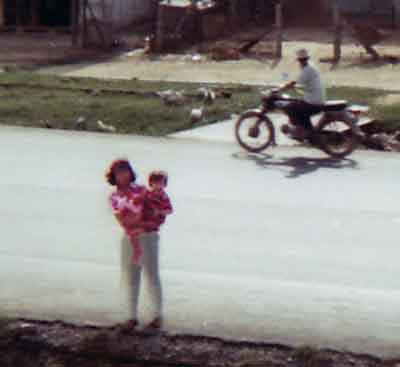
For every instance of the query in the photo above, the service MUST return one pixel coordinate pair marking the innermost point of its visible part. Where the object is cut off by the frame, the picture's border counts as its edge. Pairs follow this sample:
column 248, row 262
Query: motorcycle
column 336, row 132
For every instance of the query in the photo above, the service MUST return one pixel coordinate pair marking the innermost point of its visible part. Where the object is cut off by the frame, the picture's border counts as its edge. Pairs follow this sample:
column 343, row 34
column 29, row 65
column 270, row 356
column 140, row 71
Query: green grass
column 28, row 99
column 389, row 115
column 32, row 100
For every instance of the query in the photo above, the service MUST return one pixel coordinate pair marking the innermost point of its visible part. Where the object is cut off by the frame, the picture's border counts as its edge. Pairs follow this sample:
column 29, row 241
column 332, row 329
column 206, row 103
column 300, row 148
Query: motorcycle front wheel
column 337, row 138
column 254, row 131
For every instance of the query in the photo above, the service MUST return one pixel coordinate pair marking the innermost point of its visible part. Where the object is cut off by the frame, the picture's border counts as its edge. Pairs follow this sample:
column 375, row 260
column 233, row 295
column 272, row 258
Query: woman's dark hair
column 119, row 164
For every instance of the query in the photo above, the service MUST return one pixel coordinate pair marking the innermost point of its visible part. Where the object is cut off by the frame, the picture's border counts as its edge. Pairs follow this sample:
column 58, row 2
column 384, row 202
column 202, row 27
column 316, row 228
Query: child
column 157, row 204
column 127, row 203
column 156, row 207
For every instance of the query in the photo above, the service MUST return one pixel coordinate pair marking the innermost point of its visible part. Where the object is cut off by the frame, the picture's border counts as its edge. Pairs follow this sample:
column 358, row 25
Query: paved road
column 223, row 131
column 292, row 248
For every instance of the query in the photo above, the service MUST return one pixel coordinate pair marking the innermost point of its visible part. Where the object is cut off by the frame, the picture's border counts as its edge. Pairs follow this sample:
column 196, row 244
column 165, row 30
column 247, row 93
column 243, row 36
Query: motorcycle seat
column 335, row 105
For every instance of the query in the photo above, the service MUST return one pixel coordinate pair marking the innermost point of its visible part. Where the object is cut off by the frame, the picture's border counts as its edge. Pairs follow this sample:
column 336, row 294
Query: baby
column 157, row 204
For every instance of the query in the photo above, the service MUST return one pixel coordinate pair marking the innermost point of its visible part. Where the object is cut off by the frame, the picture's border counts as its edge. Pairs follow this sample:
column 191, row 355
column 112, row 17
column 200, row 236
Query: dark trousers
column 300, row 113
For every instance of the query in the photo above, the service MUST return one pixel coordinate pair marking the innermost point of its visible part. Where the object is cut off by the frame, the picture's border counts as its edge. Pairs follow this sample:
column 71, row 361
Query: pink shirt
column 130, row 201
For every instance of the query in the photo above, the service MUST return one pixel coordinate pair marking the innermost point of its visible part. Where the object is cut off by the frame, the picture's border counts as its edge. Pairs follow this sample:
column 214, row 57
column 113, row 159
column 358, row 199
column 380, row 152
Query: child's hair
column 119, row 164
column 158, row 176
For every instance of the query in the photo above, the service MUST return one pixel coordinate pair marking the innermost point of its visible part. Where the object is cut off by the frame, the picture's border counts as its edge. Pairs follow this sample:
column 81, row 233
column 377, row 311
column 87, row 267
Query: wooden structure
column 36, row 14
column 76, row 17
column 40, row 16
column 85, row 20
column 96, row 23
column 192, row 21
column 181, row 21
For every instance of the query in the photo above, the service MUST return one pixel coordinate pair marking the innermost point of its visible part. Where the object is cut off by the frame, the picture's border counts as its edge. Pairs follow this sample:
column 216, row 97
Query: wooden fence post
column 160, row 27
column 338, row 25
column 2, row 15
column 75, row 21
column 233, row 13
column 394, row 14
column 18, row 16
column 84, row 23
column 35, row 18
column 279, row 29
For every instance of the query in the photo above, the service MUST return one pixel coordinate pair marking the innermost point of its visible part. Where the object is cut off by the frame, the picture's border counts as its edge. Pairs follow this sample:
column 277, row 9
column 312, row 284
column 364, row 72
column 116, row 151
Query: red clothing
column 157, row 206
column 130, row 201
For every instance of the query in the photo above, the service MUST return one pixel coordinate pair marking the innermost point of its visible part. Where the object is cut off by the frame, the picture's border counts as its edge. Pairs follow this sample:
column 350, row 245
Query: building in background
column 39, row 14
column 320, row 11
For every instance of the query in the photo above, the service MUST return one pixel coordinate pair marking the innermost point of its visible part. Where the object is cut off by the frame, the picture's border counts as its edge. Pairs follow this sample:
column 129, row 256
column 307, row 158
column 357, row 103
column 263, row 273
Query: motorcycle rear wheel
column 337, row 138
column 254, row 131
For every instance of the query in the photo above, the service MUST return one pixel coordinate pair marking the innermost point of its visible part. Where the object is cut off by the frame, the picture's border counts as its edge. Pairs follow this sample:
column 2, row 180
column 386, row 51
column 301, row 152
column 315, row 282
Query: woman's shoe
column 155, row 324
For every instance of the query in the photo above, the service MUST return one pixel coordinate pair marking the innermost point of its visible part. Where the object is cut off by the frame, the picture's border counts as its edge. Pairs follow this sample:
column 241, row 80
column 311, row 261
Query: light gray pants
column 150, row 267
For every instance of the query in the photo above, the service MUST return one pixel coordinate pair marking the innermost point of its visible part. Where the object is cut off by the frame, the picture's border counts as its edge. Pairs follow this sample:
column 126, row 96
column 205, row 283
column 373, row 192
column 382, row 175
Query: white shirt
column 314, row 89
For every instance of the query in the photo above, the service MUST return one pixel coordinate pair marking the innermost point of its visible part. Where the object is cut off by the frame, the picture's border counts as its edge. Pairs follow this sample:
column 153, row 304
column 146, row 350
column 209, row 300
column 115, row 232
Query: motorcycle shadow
column 298, row 166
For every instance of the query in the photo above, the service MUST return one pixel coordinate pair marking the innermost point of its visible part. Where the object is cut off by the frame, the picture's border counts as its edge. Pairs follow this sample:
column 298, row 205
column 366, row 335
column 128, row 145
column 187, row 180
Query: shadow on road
column 299, row 166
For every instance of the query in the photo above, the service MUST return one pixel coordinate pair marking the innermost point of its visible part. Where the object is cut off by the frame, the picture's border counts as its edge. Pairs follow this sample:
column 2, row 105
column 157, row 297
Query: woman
column 127, row 202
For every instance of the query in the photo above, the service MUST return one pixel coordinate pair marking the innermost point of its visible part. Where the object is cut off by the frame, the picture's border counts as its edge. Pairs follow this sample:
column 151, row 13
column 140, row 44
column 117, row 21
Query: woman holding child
column 141, row 211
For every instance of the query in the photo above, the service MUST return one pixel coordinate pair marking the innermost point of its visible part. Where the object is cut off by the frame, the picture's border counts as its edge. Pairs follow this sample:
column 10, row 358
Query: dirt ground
column 50, row 50
column 257, row 67
column 29, row 49
column 29, row 343
column 389, row 100
column 35, row 49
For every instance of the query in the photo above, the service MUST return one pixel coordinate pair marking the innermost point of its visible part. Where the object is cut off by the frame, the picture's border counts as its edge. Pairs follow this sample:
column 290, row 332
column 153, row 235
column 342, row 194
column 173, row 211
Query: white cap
column 303, row 54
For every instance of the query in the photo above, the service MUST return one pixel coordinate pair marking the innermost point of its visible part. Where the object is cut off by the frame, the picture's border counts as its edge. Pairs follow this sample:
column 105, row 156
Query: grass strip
column 133, row 107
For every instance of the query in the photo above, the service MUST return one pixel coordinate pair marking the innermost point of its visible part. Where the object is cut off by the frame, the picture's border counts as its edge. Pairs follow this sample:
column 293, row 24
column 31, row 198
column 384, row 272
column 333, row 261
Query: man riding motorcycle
column 300, row 112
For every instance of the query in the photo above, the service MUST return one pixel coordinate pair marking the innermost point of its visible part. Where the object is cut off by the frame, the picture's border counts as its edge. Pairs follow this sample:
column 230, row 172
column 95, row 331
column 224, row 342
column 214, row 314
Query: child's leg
column 152, row 272
column 137, row 251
